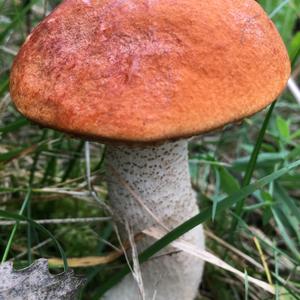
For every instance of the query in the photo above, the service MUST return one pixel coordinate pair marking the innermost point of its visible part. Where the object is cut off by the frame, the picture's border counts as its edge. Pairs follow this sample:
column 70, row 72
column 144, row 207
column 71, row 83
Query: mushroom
column 143, row 76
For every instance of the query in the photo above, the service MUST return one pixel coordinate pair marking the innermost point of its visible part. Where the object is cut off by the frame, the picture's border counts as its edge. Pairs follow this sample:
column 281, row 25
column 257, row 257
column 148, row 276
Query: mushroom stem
column 150, row 186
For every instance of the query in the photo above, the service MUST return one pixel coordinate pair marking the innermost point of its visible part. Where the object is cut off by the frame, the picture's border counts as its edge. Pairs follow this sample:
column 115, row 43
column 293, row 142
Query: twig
column 8, row 50
column 263, row 259
column 234, row 250
column 60, row 221
column 92, row 191
column 294, row 89
column 92, row 261
column 137, row 274
column 38, row 246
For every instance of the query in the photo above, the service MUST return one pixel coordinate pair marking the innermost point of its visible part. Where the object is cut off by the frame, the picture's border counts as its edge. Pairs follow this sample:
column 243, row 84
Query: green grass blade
column 21, row 14
column 195, row 221
column 72, row 161
column 15, row 228
column 16, row 217
column 289, row 242
column 14, row 126
column 252, row 163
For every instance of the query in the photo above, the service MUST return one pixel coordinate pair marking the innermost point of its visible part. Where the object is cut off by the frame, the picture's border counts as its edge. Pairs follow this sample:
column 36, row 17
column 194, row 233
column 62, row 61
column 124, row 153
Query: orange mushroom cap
column 148, row 70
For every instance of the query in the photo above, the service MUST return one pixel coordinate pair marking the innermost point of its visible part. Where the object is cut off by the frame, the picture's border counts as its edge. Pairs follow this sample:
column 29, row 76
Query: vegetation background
column 44, row 175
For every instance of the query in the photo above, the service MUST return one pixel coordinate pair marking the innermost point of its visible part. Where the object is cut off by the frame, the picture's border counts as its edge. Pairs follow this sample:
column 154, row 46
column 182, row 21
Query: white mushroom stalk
column 150, row 186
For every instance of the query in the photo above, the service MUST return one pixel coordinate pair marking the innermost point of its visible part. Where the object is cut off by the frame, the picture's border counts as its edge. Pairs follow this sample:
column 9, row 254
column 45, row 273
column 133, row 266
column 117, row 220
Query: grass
column 246, row 175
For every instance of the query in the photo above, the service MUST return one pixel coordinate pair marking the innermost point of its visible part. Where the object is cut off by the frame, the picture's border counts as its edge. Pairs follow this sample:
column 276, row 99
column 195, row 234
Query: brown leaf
column 36, row 283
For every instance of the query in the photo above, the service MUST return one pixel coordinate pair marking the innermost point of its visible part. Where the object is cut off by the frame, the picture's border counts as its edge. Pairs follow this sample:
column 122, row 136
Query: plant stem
column 14, row 230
